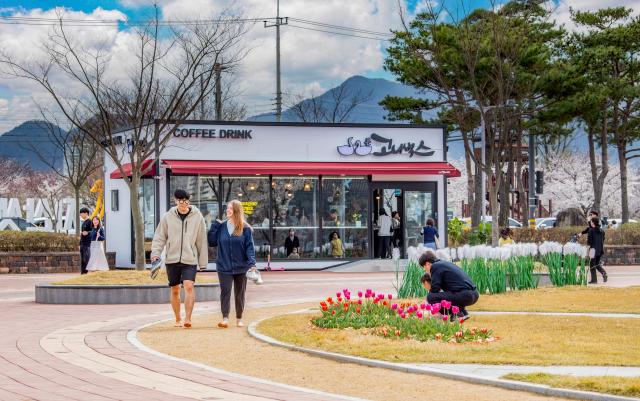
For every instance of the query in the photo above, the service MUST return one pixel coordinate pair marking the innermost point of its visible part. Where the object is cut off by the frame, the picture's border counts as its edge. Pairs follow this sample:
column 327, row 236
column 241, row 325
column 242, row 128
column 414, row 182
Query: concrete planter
column 117, row 294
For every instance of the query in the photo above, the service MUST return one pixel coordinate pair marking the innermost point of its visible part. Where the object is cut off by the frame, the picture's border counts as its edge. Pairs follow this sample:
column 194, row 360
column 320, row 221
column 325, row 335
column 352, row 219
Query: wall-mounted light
column 307, row 186
column 240, row 194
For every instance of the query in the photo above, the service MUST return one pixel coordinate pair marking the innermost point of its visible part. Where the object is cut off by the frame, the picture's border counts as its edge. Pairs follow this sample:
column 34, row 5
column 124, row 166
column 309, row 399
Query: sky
column 312, row 61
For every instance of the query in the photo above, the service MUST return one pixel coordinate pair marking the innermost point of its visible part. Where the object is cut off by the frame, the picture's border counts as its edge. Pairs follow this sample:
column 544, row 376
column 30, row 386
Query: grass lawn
column 128, row 277
column 523, row 340
column 624, row 386
column 234, row 350
column 564, row 299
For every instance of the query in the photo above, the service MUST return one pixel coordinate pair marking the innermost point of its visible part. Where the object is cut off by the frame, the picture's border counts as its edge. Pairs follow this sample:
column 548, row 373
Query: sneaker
column 605, row 277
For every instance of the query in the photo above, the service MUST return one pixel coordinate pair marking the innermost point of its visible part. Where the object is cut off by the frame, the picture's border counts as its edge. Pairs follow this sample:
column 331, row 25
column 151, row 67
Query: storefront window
column 206, row 199
column 147, row 201
column 295, row 207
column 346, row 207
column 253, row 192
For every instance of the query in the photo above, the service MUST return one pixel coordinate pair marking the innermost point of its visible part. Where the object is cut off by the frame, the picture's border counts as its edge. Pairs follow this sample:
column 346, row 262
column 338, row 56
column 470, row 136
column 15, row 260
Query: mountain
column 18, row 144
column 367, row 112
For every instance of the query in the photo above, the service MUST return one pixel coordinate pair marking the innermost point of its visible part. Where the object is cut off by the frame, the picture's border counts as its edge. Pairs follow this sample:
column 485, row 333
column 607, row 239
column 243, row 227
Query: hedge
column 35, row 241
column 627, row 234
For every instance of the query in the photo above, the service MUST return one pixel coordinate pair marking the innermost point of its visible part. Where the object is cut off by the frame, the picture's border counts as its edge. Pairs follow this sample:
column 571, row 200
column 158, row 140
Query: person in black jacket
column 590, row 215
column 595, row 240
column 448, row 282
column 291, row 242
column 85, row 240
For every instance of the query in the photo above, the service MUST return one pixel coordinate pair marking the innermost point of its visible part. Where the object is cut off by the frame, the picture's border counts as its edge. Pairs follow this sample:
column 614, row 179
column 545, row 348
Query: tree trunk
column 76, row 194
column 478, row 198
column 138, row 223
column 505, row 194
column 624, row 190
column 495, row 212
column 470, row 177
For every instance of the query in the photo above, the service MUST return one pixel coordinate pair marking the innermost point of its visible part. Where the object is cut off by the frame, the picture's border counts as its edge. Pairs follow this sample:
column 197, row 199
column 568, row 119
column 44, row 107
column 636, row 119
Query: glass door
column 418, row 207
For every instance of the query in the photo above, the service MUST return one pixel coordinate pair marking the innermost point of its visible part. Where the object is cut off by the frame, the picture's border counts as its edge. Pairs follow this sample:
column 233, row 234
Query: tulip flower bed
column 409, row 286
column 566, row 264
column 386, row 318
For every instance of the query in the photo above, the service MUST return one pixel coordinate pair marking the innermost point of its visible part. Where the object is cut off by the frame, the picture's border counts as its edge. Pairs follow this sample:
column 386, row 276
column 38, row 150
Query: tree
column 52, row 190
column 487, row 69
column 82, row 157
column 173, row 70
column 608, row 47
column 11, row 172
column 337, row 107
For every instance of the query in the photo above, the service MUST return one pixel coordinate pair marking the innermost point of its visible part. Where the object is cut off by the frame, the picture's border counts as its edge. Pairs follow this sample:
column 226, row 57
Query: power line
column 337, row 33
column 35, row 21
column 340, row 27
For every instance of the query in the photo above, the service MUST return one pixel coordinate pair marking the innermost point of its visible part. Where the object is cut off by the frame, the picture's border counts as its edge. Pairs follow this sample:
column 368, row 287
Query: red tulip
column 394, row 306
column 333, row 312
column 389, row 296
column 357, row 310
column 397, row 333
column 360, row 294
column 445, row 318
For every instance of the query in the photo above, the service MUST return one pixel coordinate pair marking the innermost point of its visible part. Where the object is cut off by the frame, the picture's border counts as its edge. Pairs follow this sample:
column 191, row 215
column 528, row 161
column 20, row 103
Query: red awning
column 147, row 168
column 310, row 168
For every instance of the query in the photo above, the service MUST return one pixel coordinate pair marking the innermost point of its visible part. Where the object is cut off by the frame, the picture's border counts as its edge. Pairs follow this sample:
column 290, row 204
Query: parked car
column 19, row 222
column 615, row 222
column 545, row 223
column 513, row 223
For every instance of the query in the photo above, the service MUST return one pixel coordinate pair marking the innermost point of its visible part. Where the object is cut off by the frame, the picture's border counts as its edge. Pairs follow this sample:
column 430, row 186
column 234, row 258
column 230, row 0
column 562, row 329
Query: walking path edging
column 132, row 337
column 503, row 383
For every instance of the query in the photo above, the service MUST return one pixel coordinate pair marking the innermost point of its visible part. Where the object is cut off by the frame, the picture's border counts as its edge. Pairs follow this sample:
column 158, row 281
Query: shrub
column 627, row 234
column 35, row 241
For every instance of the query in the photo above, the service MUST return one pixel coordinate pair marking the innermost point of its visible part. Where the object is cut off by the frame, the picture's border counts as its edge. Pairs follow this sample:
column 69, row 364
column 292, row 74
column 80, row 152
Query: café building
column 314, row 179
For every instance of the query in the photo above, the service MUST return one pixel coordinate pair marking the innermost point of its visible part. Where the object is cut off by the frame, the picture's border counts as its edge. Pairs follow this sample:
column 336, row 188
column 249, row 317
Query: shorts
column 178, row 272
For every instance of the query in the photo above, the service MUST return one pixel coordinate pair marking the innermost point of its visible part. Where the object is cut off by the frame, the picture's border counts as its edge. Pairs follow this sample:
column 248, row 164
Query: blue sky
column 312, row 61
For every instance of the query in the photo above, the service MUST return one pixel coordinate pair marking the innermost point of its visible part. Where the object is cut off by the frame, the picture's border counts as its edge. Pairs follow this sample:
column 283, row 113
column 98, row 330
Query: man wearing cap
column 182, row 233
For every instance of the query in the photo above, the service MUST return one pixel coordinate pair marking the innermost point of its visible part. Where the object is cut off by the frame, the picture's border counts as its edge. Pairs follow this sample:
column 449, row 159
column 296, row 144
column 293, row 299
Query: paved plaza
column 88, row 352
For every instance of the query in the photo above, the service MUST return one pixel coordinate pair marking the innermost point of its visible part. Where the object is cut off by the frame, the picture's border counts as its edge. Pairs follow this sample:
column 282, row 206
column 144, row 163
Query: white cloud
column 310, row 60
column 562, row 12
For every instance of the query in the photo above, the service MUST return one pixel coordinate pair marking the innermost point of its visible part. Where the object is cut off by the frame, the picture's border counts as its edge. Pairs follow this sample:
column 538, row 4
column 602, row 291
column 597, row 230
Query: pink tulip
column 373, row 294
column 433, row 311
column 394, row 306
column 435, row 307
column 338, row 294
column 348, row 296
column 359, row 302
column 445, row 318
column 389, row 296
column 455, row 310
column 419, row 314
column 360, row 294
column 403, row 316
column 427, row 307
column 400, row 311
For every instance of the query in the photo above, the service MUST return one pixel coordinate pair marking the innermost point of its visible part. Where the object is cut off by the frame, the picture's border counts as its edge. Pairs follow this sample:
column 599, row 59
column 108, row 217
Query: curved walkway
column 81, row 352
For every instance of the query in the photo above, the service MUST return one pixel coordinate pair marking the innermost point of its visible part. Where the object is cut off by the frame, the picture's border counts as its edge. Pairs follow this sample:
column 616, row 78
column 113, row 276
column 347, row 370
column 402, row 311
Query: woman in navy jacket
column 236, row 256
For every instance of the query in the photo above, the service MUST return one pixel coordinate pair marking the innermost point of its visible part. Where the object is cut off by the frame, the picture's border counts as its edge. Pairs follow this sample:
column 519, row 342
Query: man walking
column 85, row 239
column 182, row 234
column 448, row 282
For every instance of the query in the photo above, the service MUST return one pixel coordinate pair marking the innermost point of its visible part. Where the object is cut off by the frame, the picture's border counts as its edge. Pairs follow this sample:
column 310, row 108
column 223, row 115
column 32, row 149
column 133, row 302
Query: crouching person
column 447, row 282
column 182, row 232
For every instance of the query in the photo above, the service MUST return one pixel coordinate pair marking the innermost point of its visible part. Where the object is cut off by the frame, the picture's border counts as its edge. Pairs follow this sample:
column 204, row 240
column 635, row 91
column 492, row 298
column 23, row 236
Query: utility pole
column 533, row 199
column 279, row 21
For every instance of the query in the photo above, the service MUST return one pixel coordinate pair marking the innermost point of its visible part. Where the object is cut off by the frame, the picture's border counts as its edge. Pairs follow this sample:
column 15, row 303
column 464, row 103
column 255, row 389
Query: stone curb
column 508, row 384
column 117, row 294
column 132, row 337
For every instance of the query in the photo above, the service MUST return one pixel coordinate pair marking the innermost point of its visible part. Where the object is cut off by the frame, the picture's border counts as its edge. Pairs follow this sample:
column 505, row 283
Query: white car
column 615, row 222
column 545, row 222
column 513, row 223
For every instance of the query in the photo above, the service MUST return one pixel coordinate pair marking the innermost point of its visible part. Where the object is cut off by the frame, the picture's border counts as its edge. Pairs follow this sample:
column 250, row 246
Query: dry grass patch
column 129, row 277
column 624, row 386
column 564, row 299
column 523, row 340
column 234, row 350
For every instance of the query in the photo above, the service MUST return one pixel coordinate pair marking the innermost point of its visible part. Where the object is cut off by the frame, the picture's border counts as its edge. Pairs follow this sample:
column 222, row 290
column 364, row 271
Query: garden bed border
column 503, row 383
column 118, row 294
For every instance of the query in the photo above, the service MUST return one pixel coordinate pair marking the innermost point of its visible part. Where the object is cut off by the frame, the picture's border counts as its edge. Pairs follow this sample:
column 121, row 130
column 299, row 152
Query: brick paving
column 81, row 352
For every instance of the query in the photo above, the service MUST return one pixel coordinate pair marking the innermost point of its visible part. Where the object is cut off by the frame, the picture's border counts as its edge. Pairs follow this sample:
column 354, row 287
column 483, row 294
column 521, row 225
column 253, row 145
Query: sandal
column 178, row 323
column 240, row 323
column 187, row 325
column 223, row 325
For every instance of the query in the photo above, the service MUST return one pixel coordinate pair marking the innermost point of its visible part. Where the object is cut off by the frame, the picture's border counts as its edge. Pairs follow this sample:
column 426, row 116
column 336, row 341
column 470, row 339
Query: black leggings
column 239, row 283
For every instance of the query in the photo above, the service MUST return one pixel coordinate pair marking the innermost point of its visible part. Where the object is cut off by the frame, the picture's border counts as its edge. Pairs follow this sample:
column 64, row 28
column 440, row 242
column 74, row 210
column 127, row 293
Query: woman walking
column 236, row 256
column 595, row 241
column 97, row 260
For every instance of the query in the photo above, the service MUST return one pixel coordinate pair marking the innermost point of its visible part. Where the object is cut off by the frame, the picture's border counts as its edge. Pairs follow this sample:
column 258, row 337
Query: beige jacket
column 185, row 241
